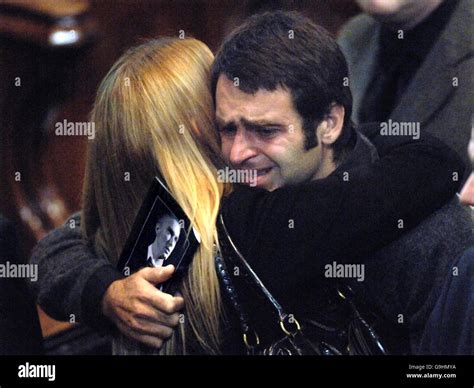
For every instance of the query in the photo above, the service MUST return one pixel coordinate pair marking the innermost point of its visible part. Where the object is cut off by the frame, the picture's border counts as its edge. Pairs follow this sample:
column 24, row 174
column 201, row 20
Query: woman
column 154, row 116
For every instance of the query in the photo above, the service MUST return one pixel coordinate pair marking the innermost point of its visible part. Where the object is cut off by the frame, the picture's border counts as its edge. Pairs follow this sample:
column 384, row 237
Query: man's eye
column 266, row 132
column 227, row 131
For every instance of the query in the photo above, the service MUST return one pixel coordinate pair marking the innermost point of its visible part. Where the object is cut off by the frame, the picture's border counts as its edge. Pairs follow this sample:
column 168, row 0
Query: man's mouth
column 263, row 171
column 257, row 171
column 263, row 177
column 254, row 177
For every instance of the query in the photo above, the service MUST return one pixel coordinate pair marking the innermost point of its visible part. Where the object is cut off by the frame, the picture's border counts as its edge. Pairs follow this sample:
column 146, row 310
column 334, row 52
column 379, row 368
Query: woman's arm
column 73, row 279
column 67, row 265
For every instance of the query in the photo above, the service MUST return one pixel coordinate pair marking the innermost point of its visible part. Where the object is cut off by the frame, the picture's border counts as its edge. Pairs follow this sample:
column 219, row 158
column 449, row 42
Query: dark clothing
column 399, row 59
column 72, row 278
column 401, row 279
column 20, row 331
column 436, row 84
column 334, row 218
column 450, row 329
column 404, row 279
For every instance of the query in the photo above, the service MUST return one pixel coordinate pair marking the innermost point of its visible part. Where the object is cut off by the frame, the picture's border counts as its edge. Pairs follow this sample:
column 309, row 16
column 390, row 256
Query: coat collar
column 364, row 152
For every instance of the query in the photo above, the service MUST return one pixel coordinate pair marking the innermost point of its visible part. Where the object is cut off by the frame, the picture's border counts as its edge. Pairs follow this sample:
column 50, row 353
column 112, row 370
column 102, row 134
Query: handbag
column 354, row 336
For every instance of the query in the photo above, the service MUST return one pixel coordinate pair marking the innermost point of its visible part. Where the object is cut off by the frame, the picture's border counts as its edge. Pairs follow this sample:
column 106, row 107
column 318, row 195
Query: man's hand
column 140, row 310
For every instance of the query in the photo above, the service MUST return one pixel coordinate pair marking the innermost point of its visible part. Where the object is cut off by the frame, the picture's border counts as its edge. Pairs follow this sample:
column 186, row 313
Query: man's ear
column 332, row 124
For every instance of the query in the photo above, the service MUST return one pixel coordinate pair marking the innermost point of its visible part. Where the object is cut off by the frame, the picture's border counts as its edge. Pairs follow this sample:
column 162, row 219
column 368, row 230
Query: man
column 291, row 123
column 265, row 125
column 410, row 61
column 167, row 231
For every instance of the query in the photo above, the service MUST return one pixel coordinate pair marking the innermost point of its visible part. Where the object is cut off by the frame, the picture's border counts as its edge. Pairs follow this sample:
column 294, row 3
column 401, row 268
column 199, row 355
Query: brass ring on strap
column 340, row 293
column 286, row 331
column 257, row 340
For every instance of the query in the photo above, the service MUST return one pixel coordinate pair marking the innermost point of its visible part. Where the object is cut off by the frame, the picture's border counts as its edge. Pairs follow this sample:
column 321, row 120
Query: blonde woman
column 154, row 116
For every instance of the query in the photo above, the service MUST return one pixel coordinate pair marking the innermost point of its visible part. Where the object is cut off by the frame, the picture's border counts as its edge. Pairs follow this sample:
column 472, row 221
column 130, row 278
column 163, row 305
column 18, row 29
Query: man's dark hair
column 287, row 49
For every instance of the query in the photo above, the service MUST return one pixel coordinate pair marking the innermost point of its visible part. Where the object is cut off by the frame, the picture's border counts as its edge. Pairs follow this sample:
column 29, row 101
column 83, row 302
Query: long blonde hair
column 153, row 114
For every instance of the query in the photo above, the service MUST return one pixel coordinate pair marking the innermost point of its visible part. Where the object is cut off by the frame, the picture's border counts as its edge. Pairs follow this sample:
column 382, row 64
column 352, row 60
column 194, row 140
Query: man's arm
column 344, row 217
column 74, row 280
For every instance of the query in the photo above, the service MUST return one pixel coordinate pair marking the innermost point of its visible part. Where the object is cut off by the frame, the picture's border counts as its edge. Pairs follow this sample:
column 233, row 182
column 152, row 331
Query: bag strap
column 250, row 336
column 285, row 320
column 345, row 292
column 253, row 276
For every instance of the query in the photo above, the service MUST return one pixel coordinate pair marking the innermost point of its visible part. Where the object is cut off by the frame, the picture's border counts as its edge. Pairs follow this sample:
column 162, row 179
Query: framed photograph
column 161, row 235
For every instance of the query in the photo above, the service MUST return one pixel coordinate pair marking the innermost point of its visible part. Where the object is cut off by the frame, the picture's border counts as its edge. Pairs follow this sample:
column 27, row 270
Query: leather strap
column 288, row 323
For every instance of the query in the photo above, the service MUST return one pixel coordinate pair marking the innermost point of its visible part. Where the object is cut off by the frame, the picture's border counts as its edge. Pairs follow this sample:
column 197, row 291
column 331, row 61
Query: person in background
column 450, row 328
column 411, row 61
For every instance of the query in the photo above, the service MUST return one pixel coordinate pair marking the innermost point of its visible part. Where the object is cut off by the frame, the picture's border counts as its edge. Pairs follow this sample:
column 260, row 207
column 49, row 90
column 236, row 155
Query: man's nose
column 243, row 148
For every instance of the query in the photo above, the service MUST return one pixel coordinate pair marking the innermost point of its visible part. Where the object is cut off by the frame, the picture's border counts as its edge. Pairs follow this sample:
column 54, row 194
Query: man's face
column 263, row 132
column 167, row 233
column 467, row 192
column 398, row 12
